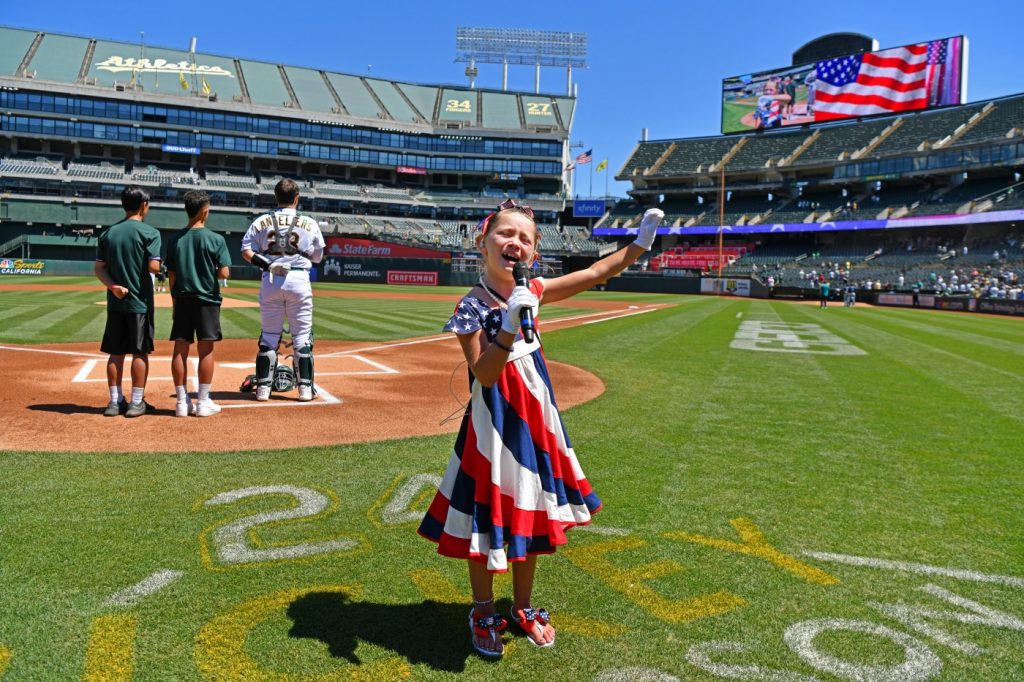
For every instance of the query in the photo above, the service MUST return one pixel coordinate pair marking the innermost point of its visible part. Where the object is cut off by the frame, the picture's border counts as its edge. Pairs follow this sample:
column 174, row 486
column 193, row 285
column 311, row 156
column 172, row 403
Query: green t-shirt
column 194, row 255
column 127, row 248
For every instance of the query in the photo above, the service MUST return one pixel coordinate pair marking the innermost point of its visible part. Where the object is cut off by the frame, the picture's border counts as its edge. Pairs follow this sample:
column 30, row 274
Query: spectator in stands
column 128, row 254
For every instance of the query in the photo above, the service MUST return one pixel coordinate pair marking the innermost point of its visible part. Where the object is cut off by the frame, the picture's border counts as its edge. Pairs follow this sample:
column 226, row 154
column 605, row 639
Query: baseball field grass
column 790, row 494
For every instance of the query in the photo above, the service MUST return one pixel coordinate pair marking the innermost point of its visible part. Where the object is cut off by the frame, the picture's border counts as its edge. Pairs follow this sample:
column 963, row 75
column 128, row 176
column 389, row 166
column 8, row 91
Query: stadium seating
column 926, row 127
column 95, row 171
column 694, row 154
column 839, row 138
column 1006, row 115
column 644, row 156
column 737, row 211
column 247, row 182
column 765, row 148
column 25, row 166
column 625, row 211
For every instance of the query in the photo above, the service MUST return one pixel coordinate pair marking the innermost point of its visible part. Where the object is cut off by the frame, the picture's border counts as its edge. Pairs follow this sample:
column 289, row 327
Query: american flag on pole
column 585, row 157
column 880, row 82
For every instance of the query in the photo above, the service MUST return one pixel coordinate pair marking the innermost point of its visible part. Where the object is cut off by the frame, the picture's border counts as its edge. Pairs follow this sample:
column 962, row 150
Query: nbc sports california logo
column 6, row 263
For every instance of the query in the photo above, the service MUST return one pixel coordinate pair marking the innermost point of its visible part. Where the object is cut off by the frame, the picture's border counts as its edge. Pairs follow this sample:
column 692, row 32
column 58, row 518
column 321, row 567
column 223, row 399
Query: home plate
column 341, row 364
column 325, row 398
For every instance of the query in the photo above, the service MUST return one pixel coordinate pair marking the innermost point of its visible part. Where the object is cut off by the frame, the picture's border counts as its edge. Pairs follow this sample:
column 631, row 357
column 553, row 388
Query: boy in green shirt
column 127, row 254
column 196, row 259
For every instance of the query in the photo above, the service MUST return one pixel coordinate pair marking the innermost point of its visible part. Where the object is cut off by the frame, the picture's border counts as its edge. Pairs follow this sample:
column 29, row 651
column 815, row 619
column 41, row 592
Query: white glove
column 649, row 228
column 521, row 297
column 279, row 268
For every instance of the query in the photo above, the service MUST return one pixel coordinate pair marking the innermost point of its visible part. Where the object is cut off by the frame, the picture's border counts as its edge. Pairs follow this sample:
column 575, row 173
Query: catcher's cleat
column 306, row 393
column 263, row 393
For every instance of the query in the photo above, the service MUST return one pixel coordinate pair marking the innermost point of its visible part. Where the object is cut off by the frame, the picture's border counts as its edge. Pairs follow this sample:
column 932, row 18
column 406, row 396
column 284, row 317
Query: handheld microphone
column 521, row 273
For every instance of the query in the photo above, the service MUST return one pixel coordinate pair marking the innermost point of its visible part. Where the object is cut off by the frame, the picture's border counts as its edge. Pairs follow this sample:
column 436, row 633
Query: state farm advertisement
column 349, row 247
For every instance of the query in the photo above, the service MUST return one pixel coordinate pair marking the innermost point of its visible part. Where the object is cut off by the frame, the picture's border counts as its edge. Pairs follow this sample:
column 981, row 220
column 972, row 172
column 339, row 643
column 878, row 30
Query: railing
column 11, row 245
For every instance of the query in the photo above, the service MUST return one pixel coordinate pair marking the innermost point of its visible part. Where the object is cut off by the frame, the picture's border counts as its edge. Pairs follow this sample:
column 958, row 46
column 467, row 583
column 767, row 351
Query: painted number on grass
column 231, row 541
column 791, row 337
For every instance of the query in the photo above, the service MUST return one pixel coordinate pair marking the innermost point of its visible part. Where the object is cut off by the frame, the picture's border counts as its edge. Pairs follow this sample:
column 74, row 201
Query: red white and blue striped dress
column 513, row 479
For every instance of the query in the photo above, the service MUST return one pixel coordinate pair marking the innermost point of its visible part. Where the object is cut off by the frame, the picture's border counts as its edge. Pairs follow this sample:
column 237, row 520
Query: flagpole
column 606, row 174
column 721, row 220
column 591, row 179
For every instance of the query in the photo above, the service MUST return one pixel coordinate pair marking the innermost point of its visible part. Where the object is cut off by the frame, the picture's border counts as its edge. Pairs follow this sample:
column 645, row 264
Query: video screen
column 907, row 78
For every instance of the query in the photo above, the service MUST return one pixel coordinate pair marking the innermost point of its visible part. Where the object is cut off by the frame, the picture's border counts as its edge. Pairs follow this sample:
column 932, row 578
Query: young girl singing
column 513, row 484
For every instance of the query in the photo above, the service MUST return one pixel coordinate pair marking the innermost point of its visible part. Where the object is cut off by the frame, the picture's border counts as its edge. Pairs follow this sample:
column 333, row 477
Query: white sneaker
column 207, row 408
column 263, row 393
column 305, row 393
column 184, row 409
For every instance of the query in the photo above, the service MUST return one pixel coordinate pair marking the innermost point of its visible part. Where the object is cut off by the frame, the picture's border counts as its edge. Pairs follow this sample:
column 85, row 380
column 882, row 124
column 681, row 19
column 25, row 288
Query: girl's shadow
column 430, row 632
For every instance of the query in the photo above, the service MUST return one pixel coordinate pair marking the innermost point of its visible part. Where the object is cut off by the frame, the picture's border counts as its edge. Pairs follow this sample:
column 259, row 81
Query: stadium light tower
column 520, row 47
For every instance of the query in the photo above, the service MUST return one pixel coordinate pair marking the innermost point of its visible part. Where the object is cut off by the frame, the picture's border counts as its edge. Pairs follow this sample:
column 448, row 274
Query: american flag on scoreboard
column 943, row 79
column 873, row 83
column 585, row 157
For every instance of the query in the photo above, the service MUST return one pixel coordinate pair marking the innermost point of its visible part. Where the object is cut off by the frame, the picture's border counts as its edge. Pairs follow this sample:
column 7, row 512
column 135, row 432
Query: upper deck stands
column 264, row 84
column 355, row 96
column 310, row 90
column 400, row 107
column 119, row 66
column 14, row 44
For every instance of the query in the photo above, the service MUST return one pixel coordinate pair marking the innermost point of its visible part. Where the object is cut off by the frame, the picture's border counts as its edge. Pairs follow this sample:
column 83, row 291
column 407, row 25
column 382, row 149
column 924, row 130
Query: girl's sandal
column 488, row 627
column 527, row 619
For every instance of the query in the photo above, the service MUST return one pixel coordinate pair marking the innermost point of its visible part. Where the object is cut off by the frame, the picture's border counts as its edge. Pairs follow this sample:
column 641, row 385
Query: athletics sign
column 131, row 65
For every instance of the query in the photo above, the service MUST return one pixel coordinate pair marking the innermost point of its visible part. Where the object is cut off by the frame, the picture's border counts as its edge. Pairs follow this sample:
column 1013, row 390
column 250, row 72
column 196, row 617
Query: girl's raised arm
column 559, row 288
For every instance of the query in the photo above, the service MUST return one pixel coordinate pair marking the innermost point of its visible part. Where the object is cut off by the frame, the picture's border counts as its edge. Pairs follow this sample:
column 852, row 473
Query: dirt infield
column 368, row 391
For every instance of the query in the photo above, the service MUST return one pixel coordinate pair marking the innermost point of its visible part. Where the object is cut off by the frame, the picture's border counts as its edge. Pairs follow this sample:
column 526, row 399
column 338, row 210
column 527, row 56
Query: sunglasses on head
column 510, row 204
column 507, row 205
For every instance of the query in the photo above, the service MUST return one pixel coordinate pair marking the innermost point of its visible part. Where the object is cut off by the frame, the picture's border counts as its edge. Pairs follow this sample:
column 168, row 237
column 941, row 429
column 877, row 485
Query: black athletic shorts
column 128, row 334
column 195, row 319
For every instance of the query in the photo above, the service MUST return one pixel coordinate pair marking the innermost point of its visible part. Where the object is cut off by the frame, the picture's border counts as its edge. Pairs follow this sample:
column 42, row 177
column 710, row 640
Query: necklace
column 492, row 293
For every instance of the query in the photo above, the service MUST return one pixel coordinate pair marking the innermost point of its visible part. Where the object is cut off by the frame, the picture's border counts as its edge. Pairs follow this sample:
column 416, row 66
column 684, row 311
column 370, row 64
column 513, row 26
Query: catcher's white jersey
column 283, row 235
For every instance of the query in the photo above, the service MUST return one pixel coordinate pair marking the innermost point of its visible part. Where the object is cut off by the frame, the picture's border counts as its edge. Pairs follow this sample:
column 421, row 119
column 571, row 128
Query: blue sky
column 651, row 64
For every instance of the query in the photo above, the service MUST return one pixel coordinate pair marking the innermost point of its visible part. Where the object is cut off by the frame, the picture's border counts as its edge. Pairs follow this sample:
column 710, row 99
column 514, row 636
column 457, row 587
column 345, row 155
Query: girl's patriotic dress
column 513, row 478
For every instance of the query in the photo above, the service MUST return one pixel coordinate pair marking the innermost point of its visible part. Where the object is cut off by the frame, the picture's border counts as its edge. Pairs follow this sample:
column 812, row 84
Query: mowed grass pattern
column 67, row 316
column 909, row 452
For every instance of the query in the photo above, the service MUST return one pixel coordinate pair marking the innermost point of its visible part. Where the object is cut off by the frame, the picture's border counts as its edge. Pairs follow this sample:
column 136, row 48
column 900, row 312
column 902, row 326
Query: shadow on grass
column 429, row 633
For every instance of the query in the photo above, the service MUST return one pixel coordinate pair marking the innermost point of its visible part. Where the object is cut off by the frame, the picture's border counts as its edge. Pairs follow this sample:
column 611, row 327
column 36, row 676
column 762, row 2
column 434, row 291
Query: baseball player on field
column 285, row 245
